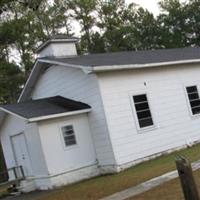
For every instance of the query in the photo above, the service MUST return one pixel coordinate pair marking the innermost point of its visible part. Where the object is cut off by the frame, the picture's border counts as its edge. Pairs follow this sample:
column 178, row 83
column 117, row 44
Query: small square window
column 194, row 100
column 143, row 110
column 69, row 135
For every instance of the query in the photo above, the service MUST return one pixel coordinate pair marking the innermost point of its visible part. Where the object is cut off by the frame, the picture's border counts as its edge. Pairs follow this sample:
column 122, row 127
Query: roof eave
column 12, row 113
column 36, row 67
column 66, row 114
column 98, row 69
column 83, row 67
column 141, row 66
column 23, row 93
column 2, row 117
column 53, row 116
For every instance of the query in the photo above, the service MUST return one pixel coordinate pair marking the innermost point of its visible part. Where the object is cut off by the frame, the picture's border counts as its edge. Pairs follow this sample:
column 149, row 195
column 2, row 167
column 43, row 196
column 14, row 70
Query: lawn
column 106, row 185
column 168, row 191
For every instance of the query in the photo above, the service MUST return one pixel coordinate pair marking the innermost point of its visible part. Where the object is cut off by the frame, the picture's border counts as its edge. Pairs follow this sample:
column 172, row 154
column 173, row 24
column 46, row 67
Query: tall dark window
column 193, row 96
column 143, row 110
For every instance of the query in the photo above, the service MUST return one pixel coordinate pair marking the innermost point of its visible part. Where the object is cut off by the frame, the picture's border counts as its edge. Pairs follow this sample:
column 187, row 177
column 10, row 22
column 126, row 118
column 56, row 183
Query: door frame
column 14, row 153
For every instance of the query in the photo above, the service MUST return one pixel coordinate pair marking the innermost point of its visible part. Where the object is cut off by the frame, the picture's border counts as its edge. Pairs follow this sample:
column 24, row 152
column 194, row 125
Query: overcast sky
column 151, row 5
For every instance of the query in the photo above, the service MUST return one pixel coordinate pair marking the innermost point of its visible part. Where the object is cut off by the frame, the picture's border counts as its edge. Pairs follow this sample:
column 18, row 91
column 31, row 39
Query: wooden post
column 186, row 178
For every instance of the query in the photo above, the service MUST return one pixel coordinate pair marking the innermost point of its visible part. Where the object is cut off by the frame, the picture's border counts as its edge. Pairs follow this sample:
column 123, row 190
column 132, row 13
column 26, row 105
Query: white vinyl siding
column 60, row 158
column 13, row 126
column 75, row 84
column 165, row 89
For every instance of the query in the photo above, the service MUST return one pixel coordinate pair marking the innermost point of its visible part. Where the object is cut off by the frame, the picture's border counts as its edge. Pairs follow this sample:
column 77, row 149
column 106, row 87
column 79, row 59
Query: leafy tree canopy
column 105, row 26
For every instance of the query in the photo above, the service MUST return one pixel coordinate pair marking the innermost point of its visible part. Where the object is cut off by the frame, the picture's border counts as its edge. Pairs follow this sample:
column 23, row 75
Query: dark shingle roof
column 45, row 107
column 133, row 57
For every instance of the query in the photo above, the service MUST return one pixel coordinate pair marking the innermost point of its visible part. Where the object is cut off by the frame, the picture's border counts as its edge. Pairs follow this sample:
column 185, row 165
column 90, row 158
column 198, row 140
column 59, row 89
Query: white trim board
column 35, row 119
column 139, row 66
column 12, row 113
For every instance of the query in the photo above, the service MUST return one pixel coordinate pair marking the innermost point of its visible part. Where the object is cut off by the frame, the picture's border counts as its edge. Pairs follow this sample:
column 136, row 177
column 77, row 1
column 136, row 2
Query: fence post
column 186, row 178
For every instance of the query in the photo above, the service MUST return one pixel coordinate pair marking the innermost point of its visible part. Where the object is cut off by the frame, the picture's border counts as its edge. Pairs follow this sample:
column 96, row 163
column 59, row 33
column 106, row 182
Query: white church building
column 81, row 116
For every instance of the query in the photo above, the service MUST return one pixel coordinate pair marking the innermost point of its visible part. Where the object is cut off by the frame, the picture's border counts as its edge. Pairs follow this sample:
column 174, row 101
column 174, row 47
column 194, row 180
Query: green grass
column 4, row 190
column 168, row 191
column 106, row 185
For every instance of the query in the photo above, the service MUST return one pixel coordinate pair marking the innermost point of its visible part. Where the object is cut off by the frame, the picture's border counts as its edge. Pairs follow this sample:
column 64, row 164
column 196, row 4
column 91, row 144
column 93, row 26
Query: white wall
column 38, row 162
column 59, row 158
column 75, row 84
column 13, row 126
column 59, row 49
column 168, row 101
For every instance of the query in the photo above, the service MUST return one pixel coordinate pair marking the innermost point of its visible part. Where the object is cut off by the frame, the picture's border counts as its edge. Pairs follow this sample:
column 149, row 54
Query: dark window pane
column 141, row 106
column 70, row 137
column 195, row 103
column 191, row 89
column 145, row 114
column 66, row 128
column 70, row 142
column 193, row 96
column 146, row 122
column 195, row 110
column 68, row 134
column 140, row 98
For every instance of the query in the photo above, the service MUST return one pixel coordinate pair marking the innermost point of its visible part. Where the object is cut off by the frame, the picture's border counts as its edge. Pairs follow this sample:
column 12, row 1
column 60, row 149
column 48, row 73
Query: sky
column 151, row 5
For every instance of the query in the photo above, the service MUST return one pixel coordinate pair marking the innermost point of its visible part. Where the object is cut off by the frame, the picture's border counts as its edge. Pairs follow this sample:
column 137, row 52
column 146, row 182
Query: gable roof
column 95, row 63
column 35, row 110
column 133, row 57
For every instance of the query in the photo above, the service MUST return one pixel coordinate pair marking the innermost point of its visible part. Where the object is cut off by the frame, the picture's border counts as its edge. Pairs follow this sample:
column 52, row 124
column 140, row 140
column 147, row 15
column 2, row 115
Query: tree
column 30, row 23
column 24, row 24
column 193, row 22
column 127, row 27
column 97, row 43
column 112, row 24
column 51, row 18
column 11, row 81
column 173, row 24
column 146, row 30
column 84, row 12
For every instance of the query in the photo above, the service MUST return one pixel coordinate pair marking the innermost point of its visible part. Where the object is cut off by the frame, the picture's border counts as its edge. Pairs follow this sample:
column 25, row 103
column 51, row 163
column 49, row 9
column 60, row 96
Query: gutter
column 90, row 69
column 12, row 113
column 35, row 119
column 141, row 66
column 29, row 78
column 86, row 69
column 53, row 116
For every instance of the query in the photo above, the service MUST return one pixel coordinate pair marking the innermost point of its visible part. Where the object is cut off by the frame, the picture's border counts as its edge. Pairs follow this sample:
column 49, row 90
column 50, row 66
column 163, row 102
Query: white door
column 21, row 153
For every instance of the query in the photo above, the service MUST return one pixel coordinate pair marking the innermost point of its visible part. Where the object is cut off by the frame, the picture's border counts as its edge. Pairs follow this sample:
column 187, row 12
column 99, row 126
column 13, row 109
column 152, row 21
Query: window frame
column 193, row 116
column 147, row 128
column 63, row 139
